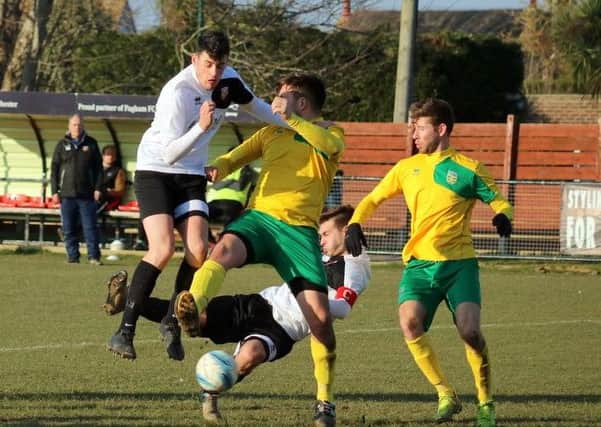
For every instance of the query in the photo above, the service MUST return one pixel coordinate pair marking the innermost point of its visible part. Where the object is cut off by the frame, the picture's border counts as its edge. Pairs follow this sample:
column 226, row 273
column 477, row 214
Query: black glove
column 354, row 239
column 230, row 90
column 503, row 225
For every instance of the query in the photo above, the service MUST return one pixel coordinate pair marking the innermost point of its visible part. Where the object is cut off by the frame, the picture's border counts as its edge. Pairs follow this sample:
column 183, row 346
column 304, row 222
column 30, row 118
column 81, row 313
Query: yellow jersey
column 440, row 190
column 297, row 170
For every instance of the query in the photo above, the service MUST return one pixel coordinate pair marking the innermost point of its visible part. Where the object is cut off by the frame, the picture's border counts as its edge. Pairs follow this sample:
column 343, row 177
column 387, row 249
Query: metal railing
column 537, row 224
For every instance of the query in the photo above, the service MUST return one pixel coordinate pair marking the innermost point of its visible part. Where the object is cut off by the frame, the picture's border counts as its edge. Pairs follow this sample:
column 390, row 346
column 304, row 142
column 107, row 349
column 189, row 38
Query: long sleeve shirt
column 440, row 190
column 298, row 167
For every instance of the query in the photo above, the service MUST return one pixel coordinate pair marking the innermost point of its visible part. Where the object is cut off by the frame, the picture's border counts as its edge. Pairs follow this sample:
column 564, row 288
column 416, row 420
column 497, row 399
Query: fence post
column 512, row 137
column 599, row 149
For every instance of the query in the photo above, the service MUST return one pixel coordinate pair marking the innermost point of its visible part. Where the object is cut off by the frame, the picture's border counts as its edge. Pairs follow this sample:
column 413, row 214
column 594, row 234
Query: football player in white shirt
column 266, row 325
column 170, row 180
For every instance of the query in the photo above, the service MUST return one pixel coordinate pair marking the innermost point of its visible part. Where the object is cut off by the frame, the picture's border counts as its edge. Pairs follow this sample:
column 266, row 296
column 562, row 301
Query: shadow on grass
column 371, row 397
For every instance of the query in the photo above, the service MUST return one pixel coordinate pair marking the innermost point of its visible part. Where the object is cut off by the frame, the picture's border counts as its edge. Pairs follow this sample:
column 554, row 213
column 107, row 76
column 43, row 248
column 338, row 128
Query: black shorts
column 236, row 318
column 224, row 211
column 178, row 195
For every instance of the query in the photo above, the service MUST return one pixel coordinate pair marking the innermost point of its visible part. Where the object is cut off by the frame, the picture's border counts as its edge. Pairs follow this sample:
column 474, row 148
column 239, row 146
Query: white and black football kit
column 273, row 315
column 173, row 153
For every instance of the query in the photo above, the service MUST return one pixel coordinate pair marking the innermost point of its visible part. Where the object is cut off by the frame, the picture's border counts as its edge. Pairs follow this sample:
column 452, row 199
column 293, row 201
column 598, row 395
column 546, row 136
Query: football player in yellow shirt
column 440, row 187
column 280, row 225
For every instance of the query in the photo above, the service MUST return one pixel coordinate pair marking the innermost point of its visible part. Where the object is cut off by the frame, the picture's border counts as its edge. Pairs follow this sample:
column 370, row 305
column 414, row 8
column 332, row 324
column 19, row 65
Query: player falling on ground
column 280, row 225
column 266, row 325
column 440, row 187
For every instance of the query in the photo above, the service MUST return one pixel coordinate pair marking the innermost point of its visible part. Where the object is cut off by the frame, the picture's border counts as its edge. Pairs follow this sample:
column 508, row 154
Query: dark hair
column 439, row 110
column 309, row 85
column 215, row 43
column 341, row 215
column 109, row 147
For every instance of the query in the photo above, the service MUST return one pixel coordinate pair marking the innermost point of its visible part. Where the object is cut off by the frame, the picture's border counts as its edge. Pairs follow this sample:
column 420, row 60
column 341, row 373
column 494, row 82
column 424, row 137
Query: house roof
column 502, row 21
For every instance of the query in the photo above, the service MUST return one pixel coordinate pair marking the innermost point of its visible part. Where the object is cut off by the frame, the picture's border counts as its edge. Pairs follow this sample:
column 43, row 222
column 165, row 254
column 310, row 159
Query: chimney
column 346, row 10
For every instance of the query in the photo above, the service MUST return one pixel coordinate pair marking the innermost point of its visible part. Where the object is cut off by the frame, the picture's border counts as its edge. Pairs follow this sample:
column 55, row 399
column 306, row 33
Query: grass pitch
column 543, row 326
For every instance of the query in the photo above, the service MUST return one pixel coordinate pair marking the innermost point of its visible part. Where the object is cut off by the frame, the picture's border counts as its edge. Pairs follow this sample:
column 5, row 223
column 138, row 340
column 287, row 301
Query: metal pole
column 199, row 14
column 404, row 77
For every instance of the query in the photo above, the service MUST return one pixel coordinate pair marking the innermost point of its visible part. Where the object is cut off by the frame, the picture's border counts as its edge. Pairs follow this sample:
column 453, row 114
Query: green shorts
column 430, row 282
column 293, row 250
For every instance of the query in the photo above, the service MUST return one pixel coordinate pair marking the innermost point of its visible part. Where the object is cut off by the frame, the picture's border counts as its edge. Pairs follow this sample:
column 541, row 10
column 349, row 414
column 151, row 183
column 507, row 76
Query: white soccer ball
column 116, row 245
column 216, row 371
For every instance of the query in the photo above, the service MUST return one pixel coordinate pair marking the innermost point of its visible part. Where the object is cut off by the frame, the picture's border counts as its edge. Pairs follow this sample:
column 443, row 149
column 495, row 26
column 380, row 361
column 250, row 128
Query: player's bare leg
column 230, row 252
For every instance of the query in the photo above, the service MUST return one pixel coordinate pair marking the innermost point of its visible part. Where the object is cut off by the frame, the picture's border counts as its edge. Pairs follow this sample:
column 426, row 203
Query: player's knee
column 412, row 326
column 252, row 354
column 159, row 255
column 471, row 336
column 325, row 334
column 229, row 252
column 196, row 254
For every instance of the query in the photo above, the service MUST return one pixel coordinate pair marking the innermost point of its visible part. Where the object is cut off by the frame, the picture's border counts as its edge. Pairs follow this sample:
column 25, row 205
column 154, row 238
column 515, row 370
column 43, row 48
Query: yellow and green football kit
column 440, row 190
column 297, row 170
column 298, row 167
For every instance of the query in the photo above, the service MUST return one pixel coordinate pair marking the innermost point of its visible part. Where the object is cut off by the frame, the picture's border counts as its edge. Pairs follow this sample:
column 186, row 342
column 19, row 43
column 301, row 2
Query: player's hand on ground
column 205, row 116
column 354, row 239
column 211, row 172
column 503, row 225
column 281, row 107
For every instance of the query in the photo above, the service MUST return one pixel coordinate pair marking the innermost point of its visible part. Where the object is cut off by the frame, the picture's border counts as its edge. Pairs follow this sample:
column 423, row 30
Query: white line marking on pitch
column 350, row 331
column 485, row 325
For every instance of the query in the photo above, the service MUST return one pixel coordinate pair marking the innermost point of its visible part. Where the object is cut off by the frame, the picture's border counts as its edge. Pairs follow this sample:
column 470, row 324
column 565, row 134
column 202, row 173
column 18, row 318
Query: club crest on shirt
column 224, row 92
column 451, row 177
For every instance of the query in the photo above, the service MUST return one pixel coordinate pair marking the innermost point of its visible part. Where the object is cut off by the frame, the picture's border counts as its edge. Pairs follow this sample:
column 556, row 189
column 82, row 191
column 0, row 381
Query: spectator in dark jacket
column 76, row 180
column 114, row 180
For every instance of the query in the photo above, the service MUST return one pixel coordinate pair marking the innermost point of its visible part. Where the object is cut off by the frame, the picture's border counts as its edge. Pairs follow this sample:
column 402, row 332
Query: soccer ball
column 216, row 371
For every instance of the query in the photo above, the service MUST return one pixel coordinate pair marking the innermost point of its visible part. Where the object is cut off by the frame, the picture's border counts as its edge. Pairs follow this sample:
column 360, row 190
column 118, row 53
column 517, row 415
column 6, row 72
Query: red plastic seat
column 32, row 202
column 12, row 200
column 51, row 205
column 131, row 206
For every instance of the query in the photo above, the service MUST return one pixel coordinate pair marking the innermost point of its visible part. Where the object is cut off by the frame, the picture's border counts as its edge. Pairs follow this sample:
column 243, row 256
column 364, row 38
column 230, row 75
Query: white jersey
column 286, row 311
column 176, row 114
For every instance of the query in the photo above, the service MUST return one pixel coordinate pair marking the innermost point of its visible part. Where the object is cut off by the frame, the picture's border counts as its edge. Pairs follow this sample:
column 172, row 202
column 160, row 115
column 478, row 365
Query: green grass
column 544, row 334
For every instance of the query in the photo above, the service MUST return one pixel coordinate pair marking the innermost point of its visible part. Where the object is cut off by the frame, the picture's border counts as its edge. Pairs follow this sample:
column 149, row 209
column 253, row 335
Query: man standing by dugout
column 76, row 181
column 440, row 187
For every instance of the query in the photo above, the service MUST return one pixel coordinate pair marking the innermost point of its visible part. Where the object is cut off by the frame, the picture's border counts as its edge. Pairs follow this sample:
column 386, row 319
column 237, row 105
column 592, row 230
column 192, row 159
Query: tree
column 113, row 62
column 475, row 74
column 562, row 44
column 38, row 38
column 576, row 32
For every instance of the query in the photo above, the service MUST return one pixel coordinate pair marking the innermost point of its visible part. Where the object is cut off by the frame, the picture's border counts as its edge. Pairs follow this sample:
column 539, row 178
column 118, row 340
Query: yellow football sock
column 480, row 364
column 323, row 362
column 206, row 283
column 426, row 360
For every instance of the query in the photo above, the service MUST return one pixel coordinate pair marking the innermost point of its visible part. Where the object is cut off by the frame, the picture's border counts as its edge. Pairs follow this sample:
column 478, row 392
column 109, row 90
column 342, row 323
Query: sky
column 146, row 13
